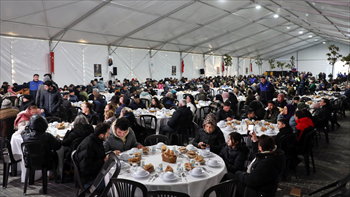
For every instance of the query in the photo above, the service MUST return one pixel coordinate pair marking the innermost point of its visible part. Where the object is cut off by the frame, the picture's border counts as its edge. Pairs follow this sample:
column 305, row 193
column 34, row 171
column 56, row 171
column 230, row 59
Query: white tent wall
column 5, row 60
column 211, row 65
column 139, row 64
column 163, row 62
column 93, row 54
column 21, row 58
column 122, row 60
column 193, row 63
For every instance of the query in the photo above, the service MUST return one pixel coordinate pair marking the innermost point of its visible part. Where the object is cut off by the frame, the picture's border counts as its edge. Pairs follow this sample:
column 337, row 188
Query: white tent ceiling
column 235, row 27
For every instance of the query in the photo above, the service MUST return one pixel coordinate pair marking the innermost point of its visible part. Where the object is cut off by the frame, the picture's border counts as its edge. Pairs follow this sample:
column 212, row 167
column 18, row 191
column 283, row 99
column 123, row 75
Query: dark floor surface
column 332, row 162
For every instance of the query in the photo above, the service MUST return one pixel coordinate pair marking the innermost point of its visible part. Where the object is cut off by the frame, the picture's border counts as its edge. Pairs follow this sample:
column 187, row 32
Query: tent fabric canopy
column 211, row 27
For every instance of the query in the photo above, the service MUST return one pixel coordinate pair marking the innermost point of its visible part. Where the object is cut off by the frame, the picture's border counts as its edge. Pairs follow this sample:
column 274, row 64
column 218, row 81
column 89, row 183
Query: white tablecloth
column 108, row 96
column 226, row 130
column 16, row 142
column 195, row 186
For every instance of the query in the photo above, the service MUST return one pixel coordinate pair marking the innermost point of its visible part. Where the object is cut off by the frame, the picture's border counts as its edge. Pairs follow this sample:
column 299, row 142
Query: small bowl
column 169, row 175
column 197, row 171
column 213, row 162
column 141, row 172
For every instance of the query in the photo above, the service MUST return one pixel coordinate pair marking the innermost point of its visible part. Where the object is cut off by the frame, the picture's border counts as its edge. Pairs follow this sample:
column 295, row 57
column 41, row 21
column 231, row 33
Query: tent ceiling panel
column 23, row 30
column 226, row 5
column 174, row 47
column 197, row 36
column 64, row 15
column 280, row 45
column 252, row 13
column 33, row 19
column 56, row 4
column 85, row 37
column 222, row 41
column 138, row 43
column 164, row 29
column 250, row 30
column 197, row 13
column 228, row 23
column 10, row 10
column 101, row 21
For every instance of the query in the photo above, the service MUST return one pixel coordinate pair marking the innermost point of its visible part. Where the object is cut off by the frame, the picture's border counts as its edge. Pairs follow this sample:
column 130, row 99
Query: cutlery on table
column 155, row 176
column 151, row 177
column 209, row 171
column 183, row 175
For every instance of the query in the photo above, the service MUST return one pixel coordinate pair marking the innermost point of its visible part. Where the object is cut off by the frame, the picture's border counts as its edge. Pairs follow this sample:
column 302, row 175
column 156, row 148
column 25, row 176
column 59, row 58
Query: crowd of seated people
column 117, row 129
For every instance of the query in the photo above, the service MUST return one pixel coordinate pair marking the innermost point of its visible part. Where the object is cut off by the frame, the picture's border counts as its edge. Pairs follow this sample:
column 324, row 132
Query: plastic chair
column 182, row 130
column 35, row 162
column 77, row 178
column 220, row 91
column 145, row 101
column 51, row 119
column 8, row 159
column 287, row 144
column 307, row 147
column 65, row 114
column 7, row 127
column 112, row 161
column 205, row 110
column 68, row 161
column 125, row 187
column 149, row 122
column 74, row 112
column 340, row 188
column 166, row 194
column 227, row 188
column 154, row 139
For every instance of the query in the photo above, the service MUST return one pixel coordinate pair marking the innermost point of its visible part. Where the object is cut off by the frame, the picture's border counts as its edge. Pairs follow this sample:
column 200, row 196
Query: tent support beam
column 152, row 22
column 105, row 2
column 291, row 51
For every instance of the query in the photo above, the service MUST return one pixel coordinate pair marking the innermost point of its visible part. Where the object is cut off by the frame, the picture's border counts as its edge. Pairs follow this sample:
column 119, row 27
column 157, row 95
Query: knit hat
column 210, row 119
column 46, row 78
column 301, row 106
column 6, row 104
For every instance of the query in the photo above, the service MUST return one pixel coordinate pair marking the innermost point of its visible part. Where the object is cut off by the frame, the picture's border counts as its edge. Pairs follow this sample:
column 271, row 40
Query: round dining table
column 163, row 116
column 194, row 186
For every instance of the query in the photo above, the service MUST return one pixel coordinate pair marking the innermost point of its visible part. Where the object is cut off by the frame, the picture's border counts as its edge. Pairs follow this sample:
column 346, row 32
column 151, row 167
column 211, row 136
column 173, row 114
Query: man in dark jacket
column 73, row 97
column 99, row 105
column 323, row 115
column 266, row 90
column 125, row 101
column 271, row 112
column 90, row 154
column 36, row 131
column 262, row 173
column 137, row 103
column 225, row 113
column 249, row 115
column 182, row 112
column 284, row 129
column 50, row 100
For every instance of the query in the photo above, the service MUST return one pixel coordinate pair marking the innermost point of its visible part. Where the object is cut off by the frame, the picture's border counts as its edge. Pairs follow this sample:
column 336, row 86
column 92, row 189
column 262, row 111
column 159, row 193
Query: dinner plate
column 214, row 166
column 197, row 175
column 175, row 178
column 136, row 176
column 208, row 155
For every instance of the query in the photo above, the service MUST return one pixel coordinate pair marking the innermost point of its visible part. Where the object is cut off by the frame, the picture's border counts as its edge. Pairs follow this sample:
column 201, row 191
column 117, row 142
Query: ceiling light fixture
column 324, row 42
column 275, row 16
column 301, row 32
column 310, row 36
column 257, row 6
column 315, row 40
column 288, row 27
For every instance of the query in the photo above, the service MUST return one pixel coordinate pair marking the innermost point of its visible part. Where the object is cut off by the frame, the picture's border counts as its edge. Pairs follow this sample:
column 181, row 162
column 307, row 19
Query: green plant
column 291, row 65
column 281, row 65
column 259, row 62
column 333, row 55
column 272, row 63
column 346, row 59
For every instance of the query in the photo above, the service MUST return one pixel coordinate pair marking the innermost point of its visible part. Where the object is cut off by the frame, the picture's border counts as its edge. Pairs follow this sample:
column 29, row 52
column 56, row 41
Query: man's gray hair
column 80, row 120
column 182, row 102
column 95, row 90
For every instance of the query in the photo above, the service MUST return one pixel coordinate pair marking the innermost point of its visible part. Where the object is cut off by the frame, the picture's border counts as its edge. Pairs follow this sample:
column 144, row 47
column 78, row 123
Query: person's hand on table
column 229, row 119
column 117, row 152
column 106, row 158
column 201, row 145
column 139, row 146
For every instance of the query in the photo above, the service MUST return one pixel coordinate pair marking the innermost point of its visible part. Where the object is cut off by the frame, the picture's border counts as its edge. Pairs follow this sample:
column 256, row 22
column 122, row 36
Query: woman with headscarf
column 210, row 135
column 322, row 87
column 280, row 101
column 225, row 96
column 288, row 112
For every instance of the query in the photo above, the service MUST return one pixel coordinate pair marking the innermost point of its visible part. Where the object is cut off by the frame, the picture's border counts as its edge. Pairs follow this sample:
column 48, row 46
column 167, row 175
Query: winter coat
column 24, row 116
column 90, row 157
column 234, row 158
column 222, row 115
column 281, row 104
column 50, row 101
column 302, row 124
column 264, row 172
column 215, row 139
column 202, row 97
column 115, row 143
column 271, row 117
column 91, row 117
column 283, row 131
column 45, row 139
column 181, row 112
column 80, row 131
column 134, row 105
column 249, row 99
column 101, row 86
column 99, row 106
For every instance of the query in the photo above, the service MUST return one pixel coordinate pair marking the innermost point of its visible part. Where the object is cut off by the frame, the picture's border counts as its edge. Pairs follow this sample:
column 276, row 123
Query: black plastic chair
column 51, row 119
column 34, row 162
column 125, row 187
column 339, row 190
column 166, row 194
column 145, row 101
column 307, row 147
column 196, row 97
column 77, row 178
column 74, row 111
column 227, row 188
column 7, row 127
column 68, row 161
column 65, row 114
column 220, row 91
column 154, row 139
column 182, row 130
column 287, row 144
column 112, row 161
column 203, row 112
column 8, row 159
column 146, row 122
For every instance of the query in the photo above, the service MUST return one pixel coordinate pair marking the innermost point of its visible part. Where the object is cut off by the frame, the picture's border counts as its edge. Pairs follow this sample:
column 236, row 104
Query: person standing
column 266, row 90
column 50, row 100
column 32, row 85
column 302, row 85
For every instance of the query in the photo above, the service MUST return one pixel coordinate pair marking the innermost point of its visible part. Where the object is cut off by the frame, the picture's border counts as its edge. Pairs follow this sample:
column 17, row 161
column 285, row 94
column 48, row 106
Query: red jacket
column 302, row 124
